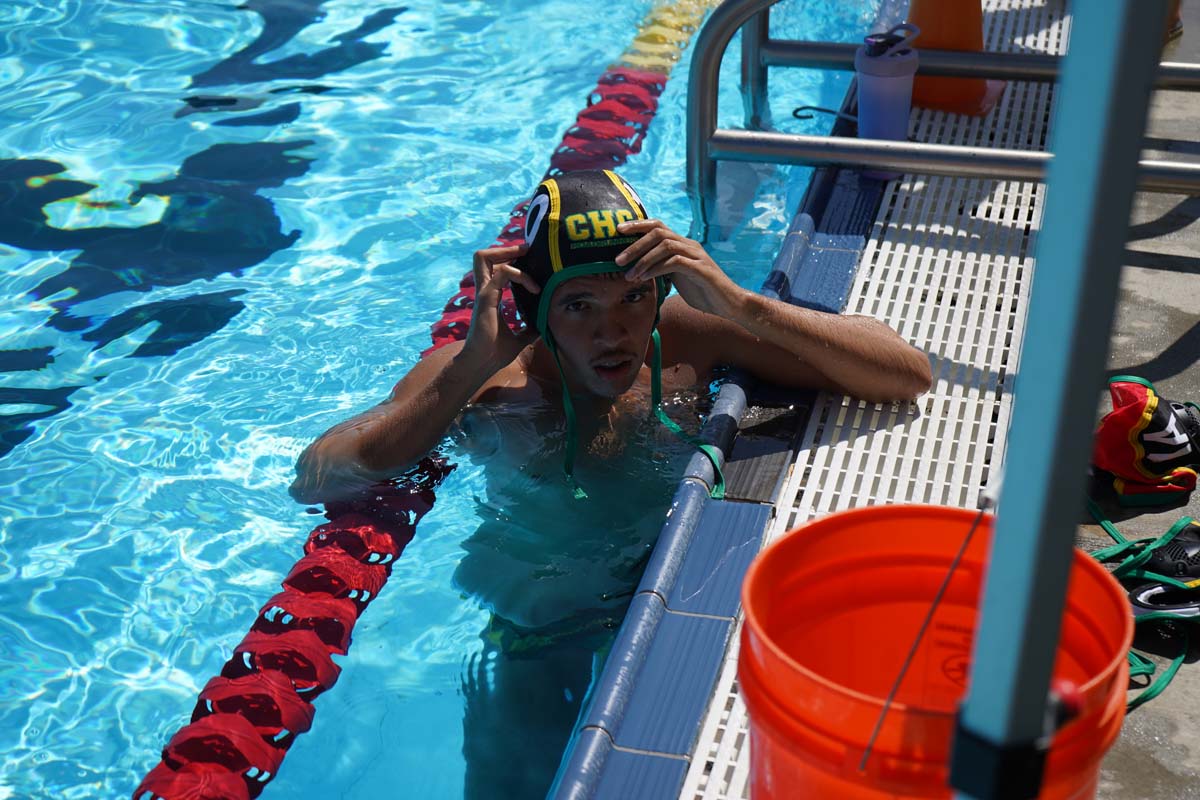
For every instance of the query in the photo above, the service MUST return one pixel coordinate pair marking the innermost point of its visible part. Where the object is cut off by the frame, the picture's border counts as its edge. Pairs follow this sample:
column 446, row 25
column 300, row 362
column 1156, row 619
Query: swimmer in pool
column 590, row 284
column 556, row 558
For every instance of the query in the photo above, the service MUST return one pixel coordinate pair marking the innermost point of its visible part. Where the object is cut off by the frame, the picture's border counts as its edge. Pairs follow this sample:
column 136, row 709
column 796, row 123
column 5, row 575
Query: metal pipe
column 754, row 71
column 958, row 63
column 1097, row 134
column 933, row 159
column 1178, row 75
column 1169, row 177
column 702, row 103
column 928, row 159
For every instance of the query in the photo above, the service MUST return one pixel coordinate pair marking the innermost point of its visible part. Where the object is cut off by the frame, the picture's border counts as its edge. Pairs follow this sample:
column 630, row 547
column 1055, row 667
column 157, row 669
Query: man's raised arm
column 395, row 434
column 721, row 323
column 857, row 355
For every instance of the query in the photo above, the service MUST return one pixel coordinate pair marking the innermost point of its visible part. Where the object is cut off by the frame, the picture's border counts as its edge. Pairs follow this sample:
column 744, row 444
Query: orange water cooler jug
column 952, row 25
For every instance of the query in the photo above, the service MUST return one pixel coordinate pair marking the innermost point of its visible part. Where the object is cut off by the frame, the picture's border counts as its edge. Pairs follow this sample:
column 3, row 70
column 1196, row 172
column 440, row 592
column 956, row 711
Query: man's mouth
column 614, row 366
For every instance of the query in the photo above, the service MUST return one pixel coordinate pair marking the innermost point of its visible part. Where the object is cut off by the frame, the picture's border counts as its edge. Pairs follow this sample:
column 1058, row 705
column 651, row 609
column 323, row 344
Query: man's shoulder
column 513, row 383
column 677, row 318
column 688, row 335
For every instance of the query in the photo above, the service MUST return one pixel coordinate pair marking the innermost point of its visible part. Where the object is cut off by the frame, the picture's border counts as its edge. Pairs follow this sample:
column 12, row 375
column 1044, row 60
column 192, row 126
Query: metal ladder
column 707, row 144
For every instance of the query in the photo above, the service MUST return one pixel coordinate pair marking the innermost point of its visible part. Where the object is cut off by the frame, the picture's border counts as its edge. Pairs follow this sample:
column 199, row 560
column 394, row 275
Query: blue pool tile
column 850, row 205
column 641, row 775
column 823, row 282
column 726, row 540
column 665, row 708
column 802, row 227
column 838, row 241
column 778, row 283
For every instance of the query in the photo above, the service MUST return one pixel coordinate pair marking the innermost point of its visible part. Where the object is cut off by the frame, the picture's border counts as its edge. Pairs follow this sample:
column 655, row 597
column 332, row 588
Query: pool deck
column 1157, row 336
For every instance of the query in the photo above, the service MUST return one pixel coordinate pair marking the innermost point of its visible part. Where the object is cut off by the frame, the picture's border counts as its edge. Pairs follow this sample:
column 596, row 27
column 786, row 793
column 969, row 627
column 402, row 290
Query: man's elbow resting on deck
column 913, row 378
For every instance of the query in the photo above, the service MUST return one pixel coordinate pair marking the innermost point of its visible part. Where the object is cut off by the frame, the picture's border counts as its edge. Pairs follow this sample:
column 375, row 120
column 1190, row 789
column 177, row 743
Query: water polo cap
column 571, row 231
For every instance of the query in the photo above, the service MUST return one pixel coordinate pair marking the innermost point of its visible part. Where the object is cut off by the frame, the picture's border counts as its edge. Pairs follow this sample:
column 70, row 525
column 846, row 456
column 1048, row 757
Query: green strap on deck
column 1133, row 554
column 1140, row 665
column 1140, row 550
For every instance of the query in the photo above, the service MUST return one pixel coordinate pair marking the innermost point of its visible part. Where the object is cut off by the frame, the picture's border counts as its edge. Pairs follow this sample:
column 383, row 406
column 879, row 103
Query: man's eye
column 634, row 297
column 575, row 307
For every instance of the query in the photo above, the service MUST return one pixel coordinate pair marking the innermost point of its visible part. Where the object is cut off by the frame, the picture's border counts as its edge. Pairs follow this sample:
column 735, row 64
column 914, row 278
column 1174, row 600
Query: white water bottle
column 885, row 65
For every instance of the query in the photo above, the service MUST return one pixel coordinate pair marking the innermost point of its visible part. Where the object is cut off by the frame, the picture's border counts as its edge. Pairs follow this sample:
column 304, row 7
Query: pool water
column 224, row 227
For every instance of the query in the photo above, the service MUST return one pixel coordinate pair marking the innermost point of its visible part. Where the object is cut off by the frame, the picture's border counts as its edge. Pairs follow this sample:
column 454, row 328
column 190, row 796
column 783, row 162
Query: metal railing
column 706, row 144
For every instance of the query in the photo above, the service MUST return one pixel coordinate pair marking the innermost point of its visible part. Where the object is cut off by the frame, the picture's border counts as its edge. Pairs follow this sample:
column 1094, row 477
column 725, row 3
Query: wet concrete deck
column 1157, row 336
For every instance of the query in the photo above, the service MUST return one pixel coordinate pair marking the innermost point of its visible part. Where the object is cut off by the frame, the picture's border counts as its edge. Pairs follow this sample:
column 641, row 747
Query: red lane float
column 267, row 699
column 247, row 718
column 197, row 781
column 330, row 618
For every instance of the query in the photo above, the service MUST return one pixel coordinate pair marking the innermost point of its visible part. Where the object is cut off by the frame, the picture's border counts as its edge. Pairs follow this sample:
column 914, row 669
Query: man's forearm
column 393, row 435
column 420, row 411
column 861, row 355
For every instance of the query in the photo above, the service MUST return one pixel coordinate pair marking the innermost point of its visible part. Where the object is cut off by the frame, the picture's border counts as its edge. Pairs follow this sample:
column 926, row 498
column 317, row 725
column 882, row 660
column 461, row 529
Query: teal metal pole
column 1102, row 99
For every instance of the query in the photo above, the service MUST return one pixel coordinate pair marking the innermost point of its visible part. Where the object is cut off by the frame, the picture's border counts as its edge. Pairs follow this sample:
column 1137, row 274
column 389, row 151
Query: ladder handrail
column 958, row 161
column 1041, row 67
column 706, row 144
column 703, row 79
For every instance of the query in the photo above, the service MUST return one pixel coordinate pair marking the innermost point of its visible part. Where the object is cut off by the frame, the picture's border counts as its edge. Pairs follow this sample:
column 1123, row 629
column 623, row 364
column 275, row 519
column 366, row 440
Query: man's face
column 602, row 325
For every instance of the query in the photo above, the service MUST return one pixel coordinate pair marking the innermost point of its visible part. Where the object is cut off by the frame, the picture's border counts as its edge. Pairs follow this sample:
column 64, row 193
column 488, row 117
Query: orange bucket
column 832, row 610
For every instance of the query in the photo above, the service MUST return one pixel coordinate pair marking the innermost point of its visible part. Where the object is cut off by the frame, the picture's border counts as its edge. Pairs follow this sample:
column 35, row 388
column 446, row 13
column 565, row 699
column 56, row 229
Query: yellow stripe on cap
column 552, row 218
column 620, row 184
column 1135, row 435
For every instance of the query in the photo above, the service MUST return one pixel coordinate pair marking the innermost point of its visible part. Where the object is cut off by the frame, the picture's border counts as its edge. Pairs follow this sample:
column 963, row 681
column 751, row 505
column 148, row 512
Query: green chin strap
column 712, row 453
column 656, row 410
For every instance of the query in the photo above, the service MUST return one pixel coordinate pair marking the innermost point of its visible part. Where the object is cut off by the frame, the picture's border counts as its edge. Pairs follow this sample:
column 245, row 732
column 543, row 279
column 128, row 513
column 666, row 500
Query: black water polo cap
column 571, row 230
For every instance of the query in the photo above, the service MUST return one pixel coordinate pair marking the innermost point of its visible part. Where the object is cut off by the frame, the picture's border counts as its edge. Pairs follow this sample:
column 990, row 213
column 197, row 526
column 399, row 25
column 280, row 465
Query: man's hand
column 395, row 434
column 661, row 251
column 490, row 338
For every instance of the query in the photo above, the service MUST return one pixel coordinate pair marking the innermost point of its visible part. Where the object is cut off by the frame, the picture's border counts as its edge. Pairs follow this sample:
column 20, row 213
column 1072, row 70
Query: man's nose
column 610, row 331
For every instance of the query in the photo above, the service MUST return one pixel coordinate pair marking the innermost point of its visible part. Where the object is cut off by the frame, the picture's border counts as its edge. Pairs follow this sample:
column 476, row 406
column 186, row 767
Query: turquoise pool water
column 256, row 214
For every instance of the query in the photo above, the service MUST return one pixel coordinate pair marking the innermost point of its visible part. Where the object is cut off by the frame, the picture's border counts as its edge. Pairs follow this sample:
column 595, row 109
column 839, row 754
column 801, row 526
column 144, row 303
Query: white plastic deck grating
column 948, row 265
